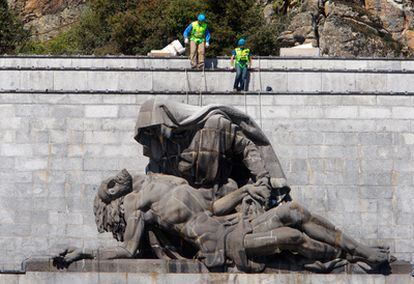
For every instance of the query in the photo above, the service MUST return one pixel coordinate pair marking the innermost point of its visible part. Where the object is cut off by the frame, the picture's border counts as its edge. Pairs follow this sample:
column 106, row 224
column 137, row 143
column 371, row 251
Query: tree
column 153, row 24
column 137, row 26
column 12, row 33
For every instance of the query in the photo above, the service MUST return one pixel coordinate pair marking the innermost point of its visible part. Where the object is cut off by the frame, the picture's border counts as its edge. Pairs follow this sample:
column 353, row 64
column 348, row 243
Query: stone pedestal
column 120, row 265
column 299, row 52
column 186, row 271
column 188, row 266
column 176, row 278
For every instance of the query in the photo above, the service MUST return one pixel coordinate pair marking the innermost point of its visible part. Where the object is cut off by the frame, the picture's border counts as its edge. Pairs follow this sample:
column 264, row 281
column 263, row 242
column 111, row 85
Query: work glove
column 207, row 44
column 186, row 41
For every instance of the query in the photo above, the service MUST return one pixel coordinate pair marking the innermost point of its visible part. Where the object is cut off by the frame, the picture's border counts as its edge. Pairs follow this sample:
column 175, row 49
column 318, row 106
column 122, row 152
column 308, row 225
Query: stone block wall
column 348, row 158
column 142, row 75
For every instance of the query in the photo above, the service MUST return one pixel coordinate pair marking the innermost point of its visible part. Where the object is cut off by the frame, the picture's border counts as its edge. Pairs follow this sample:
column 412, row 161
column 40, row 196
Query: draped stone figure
column 207, row 146
column 214, row 147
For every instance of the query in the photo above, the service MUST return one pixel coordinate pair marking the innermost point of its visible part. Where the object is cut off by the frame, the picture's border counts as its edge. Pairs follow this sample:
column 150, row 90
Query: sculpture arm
column 251, row 156
column 227, row 203
column 132, row 237
column 134, row 216
column 230, row 219
column 129, row 248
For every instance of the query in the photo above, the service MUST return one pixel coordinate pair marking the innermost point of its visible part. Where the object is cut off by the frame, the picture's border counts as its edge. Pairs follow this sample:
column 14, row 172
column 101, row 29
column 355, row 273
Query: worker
column 241, row 60
column 198, row 35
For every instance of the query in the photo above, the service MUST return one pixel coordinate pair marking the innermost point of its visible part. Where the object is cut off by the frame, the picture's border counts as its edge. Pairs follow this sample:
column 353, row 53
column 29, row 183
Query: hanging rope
column 260, row 95
column 187, row 87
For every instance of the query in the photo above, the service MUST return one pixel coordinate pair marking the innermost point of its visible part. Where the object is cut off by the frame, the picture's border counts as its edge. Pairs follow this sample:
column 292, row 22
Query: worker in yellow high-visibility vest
column 198, row 35
column 241, row 60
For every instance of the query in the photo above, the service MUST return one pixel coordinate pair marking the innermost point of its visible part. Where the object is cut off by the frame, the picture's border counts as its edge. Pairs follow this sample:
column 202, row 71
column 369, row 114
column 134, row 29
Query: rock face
column 338, row 27
column 346, row 30
column 303, row 27
column 397, row 17
column 47, row 18
column 353, row 27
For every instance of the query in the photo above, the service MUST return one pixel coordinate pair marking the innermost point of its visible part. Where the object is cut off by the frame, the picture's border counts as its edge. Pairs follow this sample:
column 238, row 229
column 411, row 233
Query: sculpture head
column 159, row 117
column 115, row 187
column 110, row 217
column 108, row 204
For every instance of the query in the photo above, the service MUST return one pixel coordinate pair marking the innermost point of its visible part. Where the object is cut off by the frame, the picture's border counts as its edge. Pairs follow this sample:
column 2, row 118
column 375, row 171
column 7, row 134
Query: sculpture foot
column 326, row 267
column 378, row 261
column 375, row 256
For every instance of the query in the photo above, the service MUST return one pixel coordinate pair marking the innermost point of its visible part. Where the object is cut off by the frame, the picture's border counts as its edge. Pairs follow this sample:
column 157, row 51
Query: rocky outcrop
column 303, row 27
column 338, row 27
column 397, row 17
column 47, row 18
column 346, row 28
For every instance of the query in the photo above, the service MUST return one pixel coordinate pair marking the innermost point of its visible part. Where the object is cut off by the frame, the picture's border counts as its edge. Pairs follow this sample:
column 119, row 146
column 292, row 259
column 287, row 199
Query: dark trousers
column 241, row 78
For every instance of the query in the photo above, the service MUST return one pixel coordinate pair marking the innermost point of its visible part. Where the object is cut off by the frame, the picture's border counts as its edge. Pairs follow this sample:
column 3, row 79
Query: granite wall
column 348, row 158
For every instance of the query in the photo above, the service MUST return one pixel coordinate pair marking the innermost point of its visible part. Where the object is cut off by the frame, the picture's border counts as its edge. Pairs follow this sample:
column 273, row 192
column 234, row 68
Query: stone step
column 117, row 62
column 143, row 80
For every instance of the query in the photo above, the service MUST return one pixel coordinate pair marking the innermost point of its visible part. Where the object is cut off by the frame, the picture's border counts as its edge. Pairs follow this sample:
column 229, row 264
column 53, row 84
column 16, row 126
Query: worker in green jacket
column 199, row 36
column 241, row 60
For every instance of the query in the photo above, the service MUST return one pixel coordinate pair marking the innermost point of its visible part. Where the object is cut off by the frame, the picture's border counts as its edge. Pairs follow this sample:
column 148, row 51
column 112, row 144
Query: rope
column 260, row 95
column 205, row 87
column 187, row 86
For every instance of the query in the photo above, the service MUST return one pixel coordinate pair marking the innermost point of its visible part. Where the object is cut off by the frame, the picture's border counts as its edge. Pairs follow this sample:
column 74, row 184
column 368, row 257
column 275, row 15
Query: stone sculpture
column 214, row 184
column 206, row 146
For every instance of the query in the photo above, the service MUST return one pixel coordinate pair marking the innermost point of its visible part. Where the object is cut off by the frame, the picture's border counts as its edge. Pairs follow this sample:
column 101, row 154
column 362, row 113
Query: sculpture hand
column 65, row 258
column 264, row 181
column 233, row 219
column 260, row 193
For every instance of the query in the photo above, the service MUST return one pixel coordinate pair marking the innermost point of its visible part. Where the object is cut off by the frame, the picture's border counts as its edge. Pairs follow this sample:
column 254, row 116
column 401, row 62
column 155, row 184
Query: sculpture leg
column 293, row 215
column 285, row 238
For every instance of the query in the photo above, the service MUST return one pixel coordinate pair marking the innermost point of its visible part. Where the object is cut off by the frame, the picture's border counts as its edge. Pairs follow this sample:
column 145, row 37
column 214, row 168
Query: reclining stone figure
column 226, row 230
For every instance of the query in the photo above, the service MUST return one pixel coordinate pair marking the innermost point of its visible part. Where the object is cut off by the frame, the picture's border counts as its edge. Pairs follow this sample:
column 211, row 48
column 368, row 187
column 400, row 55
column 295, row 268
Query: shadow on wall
column 211, row 63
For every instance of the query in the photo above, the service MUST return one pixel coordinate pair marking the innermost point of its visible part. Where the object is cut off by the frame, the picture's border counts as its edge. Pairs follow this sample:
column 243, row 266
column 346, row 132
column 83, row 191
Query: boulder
column 48, row 18
column 303, row 26
column 348, row 30
column 344, row 28
column 397, row 17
